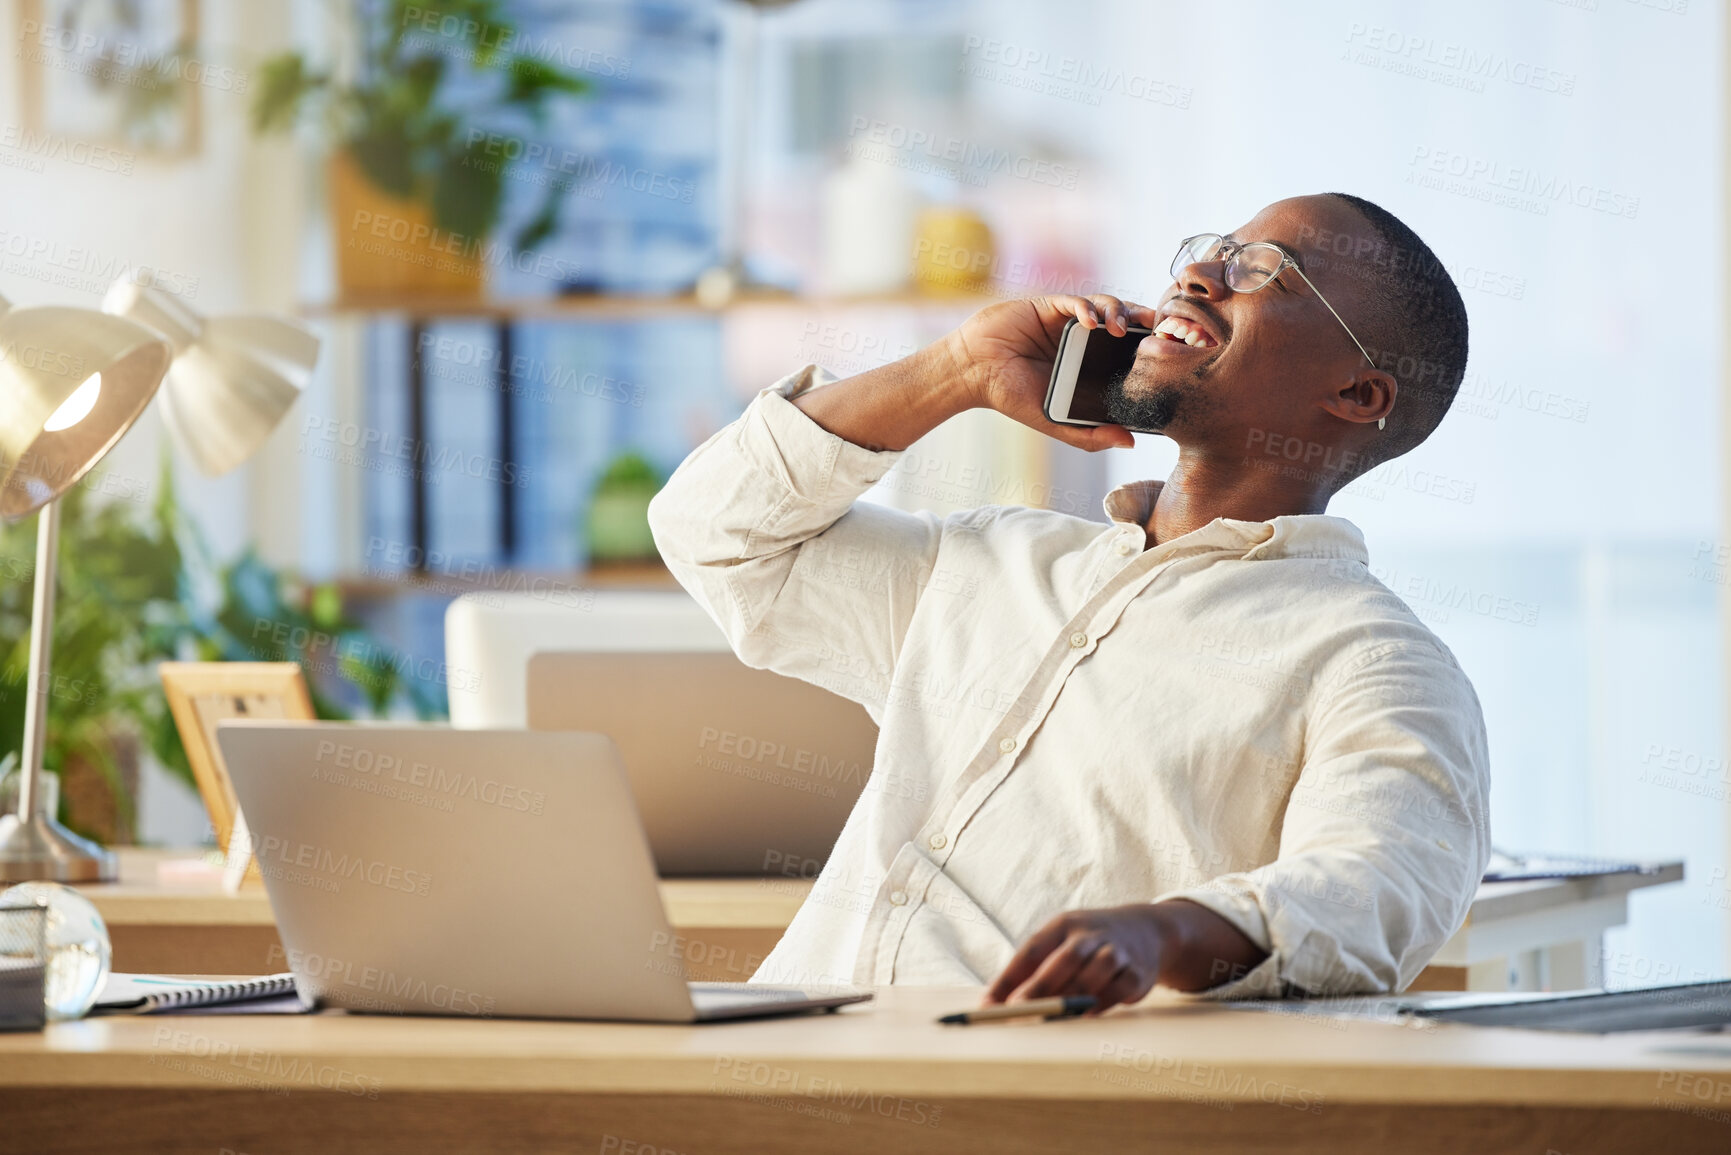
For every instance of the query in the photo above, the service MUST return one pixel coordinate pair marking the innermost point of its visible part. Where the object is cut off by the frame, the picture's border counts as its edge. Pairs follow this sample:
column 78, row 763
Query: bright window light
column 76, row 407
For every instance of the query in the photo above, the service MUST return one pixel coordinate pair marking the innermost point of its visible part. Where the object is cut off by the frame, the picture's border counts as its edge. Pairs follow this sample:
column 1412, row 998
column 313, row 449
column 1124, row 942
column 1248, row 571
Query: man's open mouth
column 1185, row 332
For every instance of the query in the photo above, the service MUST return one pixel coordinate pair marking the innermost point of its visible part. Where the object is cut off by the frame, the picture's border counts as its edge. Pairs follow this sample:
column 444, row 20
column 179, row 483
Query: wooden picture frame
column 201, row 694
column 129, row 76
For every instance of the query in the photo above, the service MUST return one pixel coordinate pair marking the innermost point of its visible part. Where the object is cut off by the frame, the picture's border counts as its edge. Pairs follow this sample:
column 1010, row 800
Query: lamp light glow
column 76, row 407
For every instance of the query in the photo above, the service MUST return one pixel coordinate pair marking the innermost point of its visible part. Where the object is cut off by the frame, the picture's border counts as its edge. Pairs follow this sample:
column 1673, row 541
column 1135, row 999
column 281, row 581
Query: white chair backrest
column 489, row 639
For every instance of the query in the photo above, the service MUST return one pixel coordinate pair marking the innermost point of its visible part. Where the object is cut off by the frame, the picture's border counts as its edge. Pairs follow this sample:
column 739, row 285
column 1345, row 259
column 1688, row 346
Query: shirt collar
column 1294, row 535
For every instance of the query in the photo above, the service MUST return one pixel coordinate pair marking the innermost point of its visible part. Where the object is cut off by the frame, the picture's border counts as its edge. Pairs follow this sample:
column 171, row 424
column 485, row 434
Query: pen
column 1061, row 1007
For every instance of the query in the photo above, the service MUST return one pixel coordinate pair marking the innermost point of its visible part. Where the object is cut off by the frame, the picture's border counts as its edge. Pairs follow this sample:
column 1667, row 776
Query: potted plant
column 137, row 587
column 422, row 142
column 618, row 520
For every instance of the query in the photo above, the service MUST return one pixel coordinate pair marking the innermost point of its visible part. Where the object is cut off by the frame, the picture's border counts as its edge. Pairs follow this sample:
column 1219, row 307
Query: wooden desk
column 1518, row 935
column 1168, row 1076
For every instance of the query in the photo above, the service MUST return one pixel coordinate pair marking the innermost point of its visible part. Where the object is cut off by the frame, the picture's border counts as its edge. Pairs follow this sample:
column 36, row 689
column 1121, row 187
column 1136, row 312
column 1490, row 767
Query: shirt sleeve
column 1385, row 838
column 761, row 525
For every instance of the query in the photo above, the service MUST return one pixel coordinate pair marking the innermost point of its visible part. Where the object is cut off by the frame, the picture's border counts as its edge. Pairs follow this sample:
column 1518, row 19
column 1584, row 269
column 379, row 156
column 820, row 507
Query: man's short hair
column 1417, row 330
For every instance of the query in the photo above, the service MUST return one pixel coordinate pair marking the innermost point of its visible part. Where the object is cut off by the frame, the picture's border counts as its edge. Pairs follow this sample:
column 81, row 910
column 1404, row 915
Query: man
column 1199, row 746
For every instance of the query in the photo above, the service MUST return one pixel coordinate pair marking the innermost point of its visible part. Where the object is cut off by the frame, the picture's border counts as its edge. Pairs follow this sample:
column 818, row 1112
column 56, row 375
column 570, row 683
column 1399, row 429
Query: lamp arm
column 41, row 647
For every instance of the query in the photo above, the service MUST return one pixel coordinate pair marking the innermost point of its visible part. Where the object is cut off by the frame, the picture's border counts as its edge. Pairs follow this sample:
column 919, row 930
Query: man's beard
column 1153, row 411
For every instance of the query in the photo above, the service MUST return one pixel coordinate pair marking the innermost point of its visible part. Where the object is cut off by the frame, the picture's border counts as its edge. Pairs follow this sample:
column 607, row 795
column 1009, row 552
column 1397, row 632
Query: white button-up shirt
column 1241, row 717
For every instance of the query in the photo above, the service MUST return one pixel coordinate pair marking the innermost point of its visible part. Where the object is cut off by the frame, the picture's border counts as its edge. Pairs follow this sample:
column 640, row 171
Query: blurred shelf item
column 483, row 579
column 616, row 306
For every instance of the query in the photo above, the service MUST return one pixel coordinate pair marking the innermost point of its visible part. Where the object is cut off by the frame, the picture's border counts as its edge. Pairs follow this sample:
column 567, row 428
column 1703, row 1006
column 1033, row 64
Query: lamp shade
column 232, row 380
column 72, row 381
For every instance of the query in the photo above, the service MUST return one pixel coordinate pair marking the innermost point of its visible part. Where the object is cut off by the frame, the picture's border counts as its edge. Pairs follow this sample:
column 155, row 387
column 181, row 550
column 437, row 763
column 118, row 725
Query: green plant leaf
column 545, row 222
column 387, row 159
column 284, row 84
column 467, row 191
column 530, row 82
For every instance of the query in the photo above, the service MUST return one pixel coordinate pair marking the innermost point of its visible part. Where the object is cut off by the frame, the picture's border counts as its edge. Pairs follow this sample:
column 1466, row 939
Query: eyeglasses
column 1249, row 268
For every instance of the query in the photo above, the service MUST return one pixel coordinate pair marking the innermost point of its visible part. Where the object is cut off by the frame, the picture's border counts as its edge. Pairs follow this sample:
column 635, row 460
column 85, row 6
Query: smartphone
column 1088, row 362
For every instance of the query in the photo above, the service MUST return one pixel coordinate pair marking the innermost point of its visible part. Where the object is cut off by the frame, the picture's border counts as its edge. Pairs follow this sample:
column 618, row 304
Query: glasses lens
column 1252, row 267
column 1197, row 250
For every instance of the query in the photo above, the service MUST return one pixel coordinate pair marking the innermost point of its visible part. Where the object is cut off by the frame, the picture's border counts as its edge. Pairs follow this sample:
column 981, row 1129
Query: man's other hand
column 1112, row 954
column 1118, row 954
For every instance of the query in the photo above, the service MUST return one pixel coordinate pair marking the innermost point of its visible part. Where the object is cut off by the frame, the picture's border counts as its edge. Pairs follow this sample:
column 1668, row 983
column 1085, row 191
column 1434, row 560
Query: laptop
column 431, row 871
column 735, row 770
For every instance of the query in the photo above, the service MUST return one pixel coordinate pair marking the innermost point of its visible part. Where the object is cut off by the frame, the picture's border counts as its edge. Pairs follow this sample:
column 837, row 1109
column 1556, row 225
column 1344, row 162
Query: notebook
column 1531, row 867
column 148, row 994
column 1685, row 1006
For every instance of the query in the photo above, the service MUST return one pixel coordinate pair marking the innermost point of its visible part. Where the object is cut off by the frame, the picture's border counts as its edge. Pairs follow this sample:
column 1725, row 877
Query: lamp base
column 42, row 849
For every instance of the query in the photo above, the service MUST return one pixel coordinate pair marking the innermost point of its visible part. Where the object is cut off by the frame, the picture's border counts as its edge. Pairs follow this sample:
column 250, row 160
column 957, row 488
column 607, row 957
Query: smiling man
column 1198, row 746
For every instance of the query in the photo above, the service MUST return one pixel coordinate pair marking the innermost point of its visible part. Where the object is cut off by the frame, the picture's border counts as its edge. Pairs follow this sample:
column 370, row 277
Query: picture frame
column 201, row 694
column 126, row 74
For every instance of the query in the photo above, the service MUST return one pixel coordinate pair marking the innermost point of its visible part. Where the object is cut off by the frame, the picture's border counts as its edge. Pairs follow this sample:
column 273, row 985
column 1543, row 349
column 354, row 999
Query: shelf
column 623, row 307
column 366, row 587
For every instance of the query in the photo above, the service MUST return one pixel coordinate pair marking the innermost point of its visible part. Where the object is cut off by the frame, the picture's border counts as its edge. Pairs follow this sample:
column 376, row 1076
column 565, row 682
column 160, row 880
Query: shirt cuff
column 814, row 464
column 1239, row 907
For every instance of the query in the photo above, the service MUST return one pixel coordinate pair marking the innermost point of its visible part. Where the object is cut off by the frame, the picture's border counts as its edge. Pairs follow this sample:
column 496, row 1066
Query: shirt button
column 1444, row 843
column 938, row 842
column 899, row 898
column 1078, row 640
column 1124, row 548
column 1007, row 745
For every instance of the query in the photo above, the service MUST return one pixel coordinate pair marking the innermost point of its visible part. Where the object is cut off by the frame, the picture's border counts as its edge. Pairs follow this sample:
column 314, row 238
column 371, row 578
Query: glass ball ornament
column 77, row 944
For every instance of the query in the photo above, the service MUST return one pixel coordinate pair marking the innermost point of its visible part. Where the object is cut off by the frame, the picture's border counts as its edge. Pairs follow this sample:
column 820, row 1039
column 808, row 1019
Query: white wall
column 1593, row 525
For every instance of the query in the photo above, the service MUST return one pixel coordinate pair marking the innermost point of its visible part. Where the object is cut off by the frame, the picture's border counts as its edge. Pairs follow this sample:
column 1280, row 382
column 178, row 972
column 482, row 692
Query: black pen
column 1060, row 1007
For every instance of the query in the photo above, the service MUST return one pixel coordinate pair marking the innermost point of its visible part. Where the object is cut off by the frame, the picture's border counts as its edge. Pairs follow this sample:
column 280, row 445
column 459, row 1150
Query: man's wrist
column 960, row 374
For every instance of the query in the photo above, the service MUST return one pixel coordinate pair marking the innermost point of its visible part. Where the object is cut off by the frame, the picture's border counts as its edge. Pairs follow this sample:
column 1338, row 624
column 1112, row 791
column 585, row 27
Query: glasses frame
column 1230, row 251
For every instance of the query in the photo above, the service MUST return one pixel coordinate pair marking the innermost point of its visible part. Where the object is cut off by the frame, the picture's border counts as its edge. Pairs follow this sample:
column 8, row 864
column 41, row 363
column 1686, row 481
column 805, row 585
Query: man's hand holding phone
column 1000, row 358
column 1005, row 352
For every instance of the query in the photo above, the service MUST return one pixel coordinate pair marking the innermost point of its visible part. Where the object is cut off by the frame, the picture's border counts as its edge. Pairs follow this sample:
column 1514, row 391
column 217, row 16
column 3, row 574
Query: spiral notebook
column 149, row 994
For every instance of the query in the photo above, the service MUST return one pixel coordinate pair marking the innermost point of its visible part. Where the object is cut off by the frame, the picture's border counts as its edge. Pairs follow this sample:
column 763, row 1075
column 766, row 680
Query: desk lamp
column 72, row 382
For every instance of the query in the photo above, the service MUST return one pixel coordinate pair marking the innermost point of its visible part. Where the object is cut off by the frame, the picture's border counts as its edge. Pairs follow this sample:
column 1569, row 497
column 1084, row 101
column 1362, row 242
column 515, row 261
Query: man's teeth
column 1178, row 329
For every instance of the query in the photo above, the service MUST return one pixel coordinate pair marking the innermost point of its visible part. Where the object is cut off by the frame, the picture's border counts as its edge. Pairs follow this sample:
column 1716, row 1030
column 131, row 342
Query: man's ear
column 1369, row 396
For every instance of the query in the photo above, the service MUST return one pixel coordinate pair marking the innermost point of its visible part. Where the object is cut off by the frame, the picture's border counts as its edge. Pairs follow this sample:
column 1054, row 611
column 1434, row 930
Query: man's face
column 1263, row 360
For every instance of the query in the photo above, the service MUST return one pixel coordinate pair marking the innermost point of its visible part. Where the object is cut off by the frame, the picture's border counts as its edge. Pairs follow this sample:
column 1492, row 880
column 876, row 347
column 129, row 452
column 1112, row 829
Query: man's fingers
column 1060, row 968
column 1093, row 438
column 1125, row 987
column 1026, row 960
column 1081, row 308
column 1145, row 315
column 1098, row 973
column 1115, row 312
